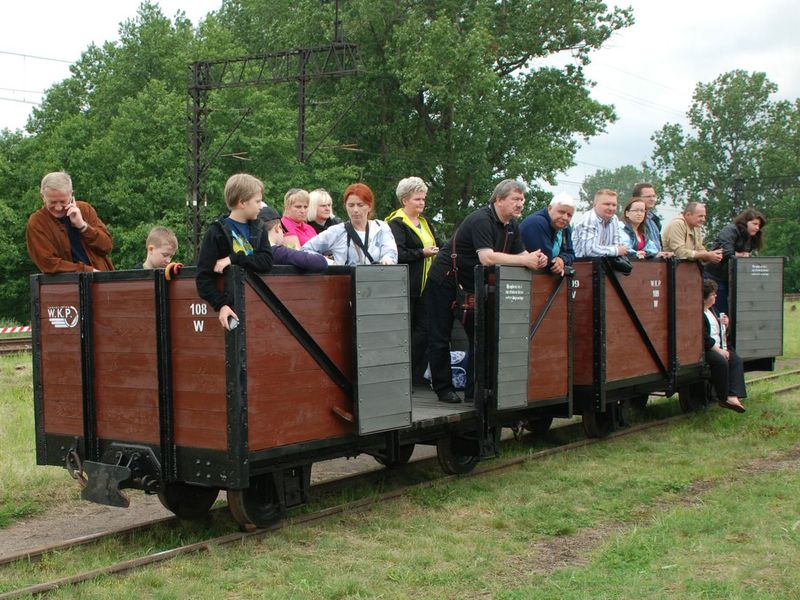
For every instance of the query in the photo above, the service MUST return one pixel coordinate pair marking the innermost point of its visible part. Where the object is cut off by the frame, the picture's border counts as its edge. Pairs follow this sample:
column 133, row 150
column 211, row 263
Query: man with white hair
column 549, row 230
column 66, row 235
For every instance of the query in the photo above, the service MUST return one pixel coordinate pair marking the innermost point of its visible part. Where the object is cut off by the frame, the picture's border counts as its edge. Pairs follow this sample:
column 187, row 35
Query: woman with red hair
column 360, row 240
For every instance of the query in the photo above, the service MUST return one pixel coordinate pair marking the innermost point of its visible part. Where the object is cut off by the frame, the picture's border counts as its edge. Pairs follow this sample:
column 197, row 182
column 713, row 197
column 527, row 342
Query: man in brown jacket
column 66, row 236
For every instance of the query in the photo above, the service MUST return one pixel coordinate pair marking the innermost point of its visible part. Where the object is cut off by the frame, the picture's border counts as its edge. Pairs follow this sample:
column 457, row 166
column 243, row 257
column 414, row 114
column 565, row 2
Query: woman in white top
column 361, row 240
column 727, row 370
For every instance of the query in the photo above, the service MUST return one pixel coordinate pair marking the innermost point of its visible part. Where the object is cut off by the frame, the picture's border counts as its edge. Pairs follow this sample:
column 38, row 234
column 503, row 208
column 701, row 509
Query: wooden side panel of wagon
column 625, row 332
column 60, row 339
column 291, row 399
column 58, row 388
column 636, row 321
column 124, row 369
column 688, row 318
column 550, row 361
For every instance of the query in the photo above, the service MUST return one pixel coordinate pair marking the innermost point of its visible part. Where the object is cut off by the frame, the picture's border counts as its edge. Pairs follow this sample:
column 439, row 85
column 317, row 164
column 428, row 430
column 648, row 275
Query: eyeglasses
column 636, row 210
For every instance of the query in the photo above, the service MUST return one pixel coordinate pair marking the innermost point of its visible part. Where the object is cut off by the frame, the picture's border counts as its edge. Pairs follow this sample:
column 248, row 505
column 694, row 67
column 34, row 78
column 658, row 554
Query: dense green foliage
column 455, row 92
column 743, row 150
column 622, row 180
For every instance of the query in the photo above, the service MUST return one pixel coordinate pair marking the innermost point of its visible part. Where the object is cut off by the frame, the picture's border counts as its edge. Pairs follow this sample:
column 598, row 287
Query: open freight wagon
column 136, row 384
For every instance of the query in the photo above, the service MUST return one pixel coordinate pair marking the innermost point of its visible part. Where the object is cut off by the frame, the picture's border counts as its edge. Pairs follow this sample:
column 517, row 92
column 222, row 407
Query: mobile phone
column 232, row 323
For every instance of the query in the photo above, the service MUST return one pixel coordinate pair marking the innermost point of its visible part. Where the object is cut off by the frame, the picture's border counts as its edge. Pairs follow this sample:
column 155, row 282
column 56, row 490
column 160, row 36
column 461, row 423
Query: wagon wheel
column 258, row 505
column 187, row 501
column 403, row 456
column 693, row 396
column 451, row 461
column 600, row 424
column 539, row 425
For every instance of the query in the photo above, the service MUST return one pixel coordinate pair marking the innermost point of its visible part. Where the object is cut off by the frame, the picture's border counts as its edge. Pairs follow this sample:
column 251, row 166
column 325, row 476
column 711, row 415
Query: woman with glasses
column 635, row 233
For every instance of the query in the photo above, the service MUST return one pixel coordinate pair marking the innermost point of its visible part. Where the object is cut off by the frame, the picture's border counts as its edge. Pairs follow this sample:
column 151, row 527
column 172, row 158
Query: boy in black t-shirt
column 238, row 239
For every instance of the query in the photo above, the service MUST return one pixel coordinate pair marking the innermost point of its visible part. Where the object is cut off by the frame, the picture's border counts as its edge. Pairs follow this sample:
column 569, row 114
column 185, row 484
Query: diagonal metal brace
column 103, row 484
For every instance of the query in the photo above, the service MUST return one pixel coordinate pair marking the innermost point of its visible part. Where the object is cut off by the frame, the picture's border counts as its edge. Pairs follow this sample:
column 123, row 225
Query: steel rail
column 15, row 345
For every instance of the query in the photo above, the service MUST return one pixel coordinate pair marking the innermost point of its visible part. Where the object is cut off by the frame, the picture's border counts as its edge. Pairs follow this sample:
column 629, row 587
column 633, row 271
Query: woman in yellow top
column 417, row 246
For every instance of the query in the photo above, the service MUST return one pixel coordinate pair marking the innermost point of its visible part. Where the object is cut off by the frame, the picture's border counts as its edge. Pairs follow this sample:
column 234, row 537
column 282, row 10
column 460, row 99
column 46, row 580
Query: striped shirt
column 595, row 237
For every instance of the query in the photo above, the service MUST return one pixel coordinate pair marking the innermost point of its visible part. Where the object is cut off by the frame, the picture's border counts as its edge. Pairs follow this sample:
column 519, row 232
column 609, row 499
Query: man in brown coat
column 65, row 235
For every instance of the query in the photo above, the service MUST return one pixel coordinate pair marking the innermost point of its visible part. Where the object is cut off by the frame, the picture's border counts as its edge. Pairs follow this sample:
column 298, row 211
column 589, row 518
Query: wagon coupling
column 104, row 482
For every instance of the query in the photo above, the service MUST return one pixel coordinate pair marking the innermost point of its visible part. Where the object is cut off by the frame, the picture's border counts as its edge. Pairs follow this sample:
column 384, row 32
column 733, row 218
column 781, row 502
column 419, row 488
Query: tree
column 730, row 119
column 455, row 92
column 743, row 150
column 621, row 180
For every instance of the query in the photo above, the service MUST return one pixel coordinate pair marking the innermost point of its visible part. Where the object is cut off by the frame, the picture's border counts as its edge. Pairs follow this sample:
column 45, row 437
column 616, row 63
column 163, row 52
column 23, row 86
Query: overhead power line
column 641, row 101
column 653, row 81
column 22, row 91
column 21, row 101
column 31, row 56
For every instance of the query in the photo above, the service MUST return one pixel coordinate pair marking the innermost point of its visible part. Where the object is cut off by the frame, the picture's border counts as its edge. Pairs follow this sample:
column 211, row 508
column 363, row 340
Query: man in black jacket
column 489, row 236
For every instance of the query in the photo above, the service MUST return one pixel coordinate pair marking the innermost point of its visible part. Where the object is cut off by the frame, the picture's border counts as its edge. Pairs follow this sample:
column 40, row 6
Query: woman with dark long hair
column 743, row 237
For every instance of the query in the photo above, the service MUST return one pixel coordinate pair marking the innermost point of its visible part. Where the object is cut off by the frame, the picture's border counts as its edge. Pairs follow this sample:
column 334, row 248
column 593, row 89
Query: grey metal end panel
column 513, row 344
column 382, row 337
column 759, row 307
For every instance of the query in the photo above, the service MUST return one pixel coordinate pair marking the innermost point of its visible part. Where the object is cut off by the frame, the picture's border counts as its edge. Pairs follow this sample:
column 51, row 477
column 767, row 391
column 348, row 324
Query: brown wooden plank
column 198, row 369
column 583, row 325
column 627, row 355
column 122, row 420
column 62, row 398
column 293, row 418
column 124, row 360
column 201, row 429
column 689, row 324
column 548, row 375
column 290, row 397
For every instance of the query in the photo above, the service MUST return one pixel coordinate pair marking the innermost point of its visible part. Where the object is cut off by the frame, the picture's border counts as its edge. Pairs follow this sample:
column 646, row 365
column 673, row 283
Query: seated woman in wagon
column 727, row 369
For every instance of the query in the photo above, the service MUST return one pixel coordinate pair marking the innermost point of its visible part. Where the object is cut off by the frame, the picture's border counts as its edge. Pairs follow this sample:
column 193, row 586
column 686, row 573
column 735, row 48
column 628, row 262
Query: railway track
column 362, row 504
column 318, row 491
column 16, row 345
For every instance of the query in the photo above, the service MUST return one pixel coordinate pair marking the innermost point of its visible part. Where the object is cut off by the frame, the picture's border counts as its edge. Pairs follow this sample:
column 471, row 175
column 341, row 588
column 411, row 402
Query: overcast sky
column 647, row 71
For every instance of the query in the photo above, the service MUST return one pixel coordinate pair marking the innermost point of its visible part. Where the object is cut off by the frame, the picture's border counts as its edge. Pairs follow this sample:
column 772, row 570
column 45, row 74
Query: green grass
column 791, row 330
column 25, row 489
column 713, row 517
